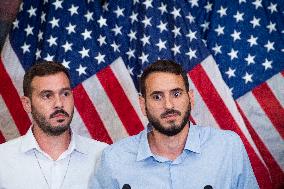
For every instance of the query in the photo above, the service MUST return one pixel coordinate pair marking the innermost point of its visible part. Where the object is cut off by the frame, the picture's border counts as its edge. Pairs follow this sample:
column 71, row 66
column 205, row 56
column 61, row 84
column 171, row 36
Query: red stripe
column 2, row 139
column 282, row 73
column 192, row 120
column 13, row 102
column 225, row 120
column 271, row 106
column 277, row 175
column 90, row 115
column 123, row 107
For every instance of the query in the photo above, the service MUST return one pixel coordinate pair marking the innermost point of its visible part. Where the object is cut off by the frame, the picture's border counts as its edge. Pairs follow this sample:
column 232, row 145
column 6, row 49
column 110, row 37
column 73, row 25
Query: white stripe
column 276, row 84
column 7, row 124
column 122, row 75
column 263, row 127
column 78, row 125
column 13, row 66
column 105, row 108
column 221, row 87
column 200, row 112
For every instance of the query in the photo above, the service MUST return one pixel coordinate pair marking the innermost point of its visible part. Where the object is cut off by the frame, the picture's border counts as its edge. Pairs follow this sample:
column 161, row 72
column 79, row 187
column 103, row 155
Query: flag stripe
column 7, row 124
column 2, row 139
column 105, row 109
column 90, row 117
column 263, row 127
column 273, row 166
column 270, row 106
column 120, row 101
column 224, row 118
column 78, row 126
column 278, row 90
column 12, row 101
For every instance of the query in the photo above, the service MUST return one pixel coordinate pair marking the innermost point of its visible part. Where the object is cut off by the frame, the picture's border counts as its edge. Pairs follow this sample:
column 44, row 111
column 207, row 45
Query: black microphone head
column 126, row 186
column 208, row 187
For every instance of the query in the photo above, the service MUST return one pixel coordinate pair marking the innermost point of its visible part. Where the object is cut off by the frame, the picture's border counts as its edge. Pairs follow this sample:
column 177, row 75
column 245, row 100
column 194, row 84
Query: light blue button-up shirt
column 211, row 157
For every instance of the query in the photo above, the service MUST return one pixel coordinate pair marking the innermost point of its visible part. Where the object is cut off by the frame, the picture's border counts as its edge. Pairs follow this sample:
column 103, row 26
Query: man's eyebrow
column 177, row 89
column 156, row 92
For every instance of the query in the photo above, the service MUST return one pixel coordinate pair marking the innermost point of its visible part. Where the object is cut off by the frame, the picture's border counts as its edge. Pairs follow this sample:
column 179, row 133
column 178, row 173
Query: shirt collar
column 193, row 140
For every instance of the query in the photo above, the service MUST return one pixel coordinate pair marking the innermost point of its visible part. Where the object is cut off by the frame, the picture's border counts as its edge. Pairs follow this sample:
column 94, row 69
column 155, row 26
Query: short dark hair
column 41, row 68
column 167, row 66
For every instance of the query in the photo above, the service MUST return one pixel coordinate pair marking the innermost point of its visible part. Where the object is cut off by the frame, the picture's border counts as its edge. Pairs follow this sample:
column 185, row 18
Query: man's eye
column 176, row 93
column 157, row 97
column 46, row 96
column 66, row 93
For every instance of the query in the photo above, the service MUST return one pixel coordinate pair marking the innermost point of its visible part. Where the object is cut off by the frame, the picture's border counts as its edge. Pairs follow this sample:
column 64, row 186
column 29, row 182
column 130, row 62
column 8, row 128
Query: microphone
column 126, row 186
column 208, row 187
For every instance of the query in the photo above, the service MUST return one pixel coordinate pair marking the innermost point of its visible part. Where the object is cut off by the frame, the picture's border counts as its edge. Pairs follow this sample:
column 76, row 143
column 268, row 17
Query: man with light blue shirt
column 49, row 155
column 170, row 153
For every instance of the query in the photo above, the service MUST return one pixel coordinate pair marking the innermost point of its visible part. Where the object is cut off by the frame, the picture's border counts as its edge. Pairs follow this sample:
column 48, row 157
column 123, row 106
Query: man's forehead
column 51, row 82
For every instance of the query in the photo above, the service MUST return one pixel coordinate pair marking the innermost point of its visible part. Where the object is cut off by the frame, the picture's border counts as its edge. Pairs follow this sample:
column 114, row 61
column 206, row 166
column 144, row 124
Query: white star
column 86, row 34
column 49, row 57
column 67, row 46
column 132, row 35
column 119, row 12
column 267, row 64
column 100, row 58
column 54, row 22
column 191, row 53
column 52, row 41
column 163, row 8
column 38, row 54
column 255, row 22
column 190, row 18
column 175, row 49
column 42, row 17
column 115, row 47
column 176, row 31
column 176, row 13
column 135, row 1
column 81, row 70
column 89, row 16
column 161, row 44
column 66, row 63
column 58, row 4
column 236, row 35
column 21, row 6
column 144, row 58
column 73, row 10
column 105, row 6
column 233, row 54
column 162, row 26
column 191, row 35
column 208, row 7
column 102, row 22
column 16, row 24
column 130, row 70
column 39, row 36
column 222, row 11
column 29, row 30
column 71, row 28
column 117, row 30
column 231, row 72
column 205, row 26
column 84, row 52
column 130, row 53
column 220, row 30
column 147, row 21
column 133, row 17
column 193, row 3
column 269, row 46
column 250, row 59
column 145, row 40
column 272, row 7
column 32, row 11
column 239, row 16
column 148, row 3
column 102, row 40
column 242, row 1
column 257, row 4
column 271, row 27
column 252, row 40
column 247, row 77
column 217, row 49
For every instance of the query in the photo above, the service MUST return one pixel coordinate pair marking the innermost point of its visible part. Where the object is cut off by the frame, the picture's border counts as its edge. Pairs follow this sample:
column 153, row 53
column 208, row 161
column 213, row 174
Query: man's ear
column 191, row 98
column 26, row 102
column 142, row 104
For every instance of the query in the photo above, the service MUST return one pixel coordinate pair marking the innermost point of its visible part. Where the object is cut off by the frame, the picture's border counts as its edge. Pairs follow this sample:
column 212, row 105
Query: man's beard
column 46, row 127
column 173, row 129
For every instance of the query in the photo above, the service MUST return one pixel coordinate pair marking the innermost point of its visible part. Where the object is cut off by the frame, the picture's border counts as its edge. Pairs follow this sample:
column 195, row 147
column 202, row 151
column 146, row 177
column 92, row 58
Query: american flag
column 233, row 52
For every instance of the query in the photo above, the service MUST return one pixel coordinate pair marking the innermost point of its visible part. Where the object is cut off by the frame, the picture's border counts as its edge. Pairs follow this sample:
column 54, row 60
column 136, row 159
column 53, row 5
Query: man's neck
column 54, row 146
column 168, row 146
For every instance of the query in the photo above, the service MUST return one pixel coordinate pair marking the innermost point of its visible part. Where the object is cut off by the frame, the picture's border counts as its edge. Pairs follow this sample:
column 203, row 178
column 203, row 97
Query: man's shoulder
column 90, row 144
column 11, row 144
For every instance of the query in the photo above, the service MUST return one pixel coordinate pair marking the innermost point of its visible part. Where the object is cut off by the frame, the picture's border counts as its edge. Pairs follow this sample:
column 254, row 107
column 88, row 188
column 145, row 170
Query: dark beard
column 47, row 127
column 174, row 129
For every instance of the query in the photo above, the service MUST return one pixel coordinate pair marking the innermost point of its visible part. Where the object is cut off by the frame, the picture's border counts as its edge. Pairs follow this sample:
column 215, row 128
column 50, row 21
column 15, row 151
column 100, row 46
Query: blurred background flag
column 233, row 52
